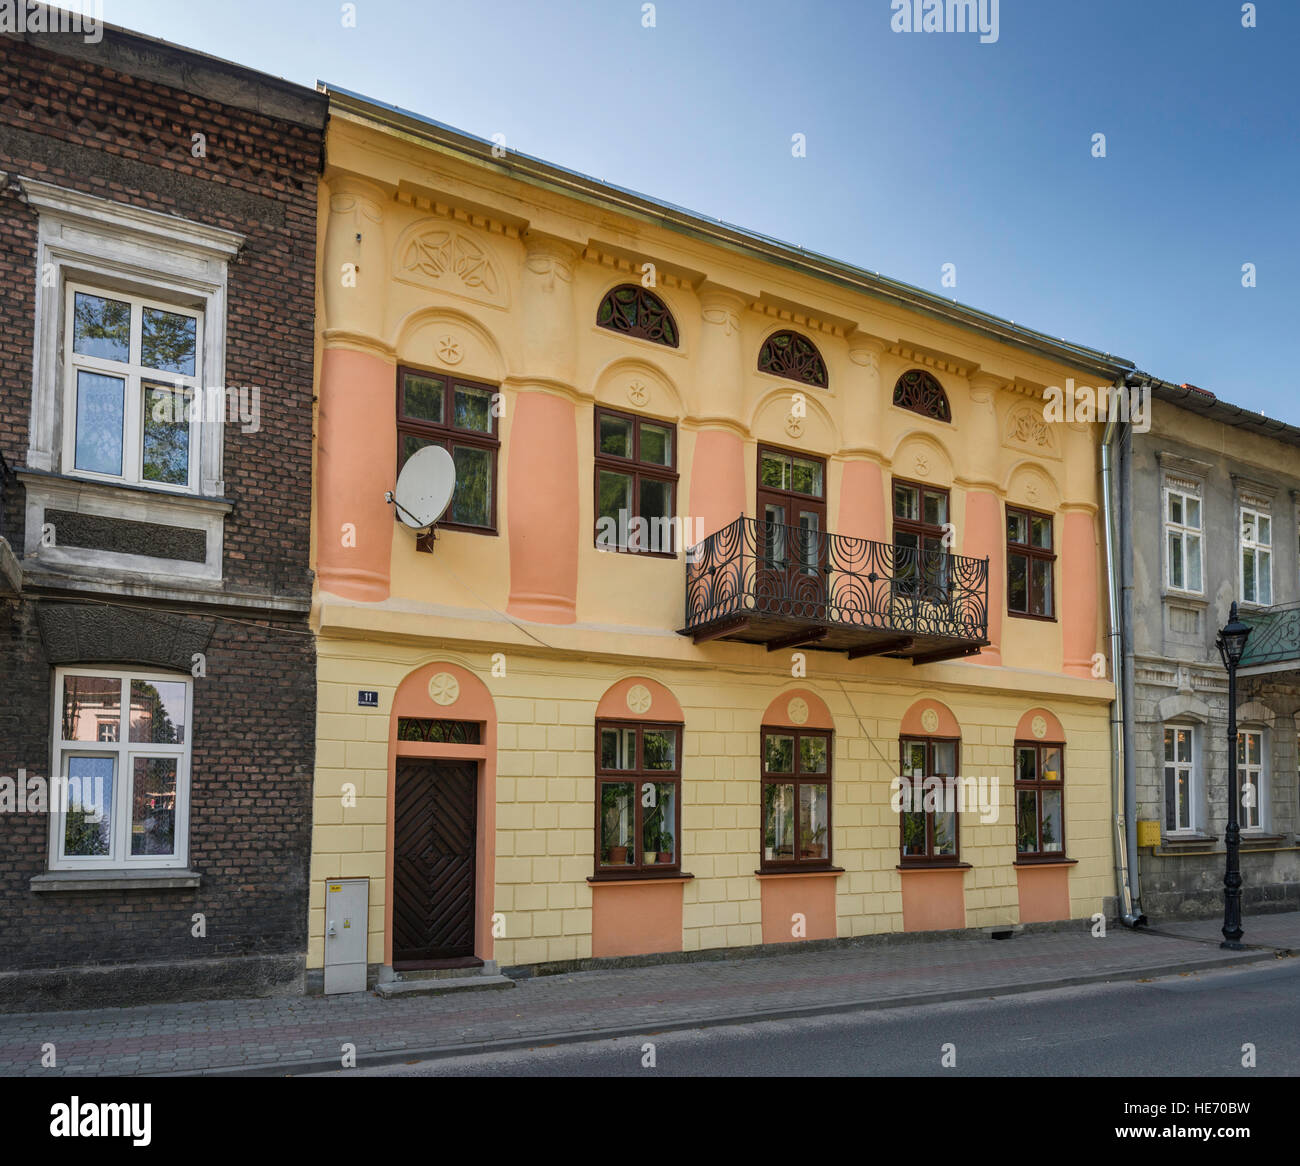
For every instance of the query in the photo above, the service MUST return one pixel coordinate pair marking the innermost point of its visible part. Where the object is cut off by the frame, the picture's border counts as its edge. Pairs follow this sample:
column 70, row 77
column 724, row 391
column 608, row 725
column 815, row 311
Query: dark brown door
column 791, row 533
column 434, row 828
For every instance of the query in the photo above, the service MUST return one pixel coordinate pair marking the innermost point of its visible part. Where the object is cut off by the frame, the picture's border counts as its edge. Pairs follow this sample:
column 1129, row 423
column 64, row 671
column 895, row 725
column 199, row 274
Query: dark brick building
column 157, row 251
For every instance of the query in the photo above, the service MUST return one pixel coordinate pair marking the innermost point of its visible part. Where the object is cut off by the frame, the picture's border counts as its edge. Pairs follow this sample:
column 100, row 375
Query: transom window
column 920, row 525
column 132, row 367
column 1252, row 772
column 917, row 391
column 795, row 357
column 1030, row 564
column 1183, row 540
column 1180, row 778
column 1040, row 800
column 796, row 783
column 460, row 416
column 1256, row 556
column 123, row 750
column 637, row 312
column 636, row 483
column 929, row 804
column 439, row 732
column 638, row 798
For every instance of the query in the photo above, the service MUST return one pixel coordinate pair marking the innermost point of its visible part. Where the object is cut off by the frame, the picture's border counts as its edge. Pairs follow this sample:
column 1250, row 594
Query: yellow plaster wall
column 546, row 790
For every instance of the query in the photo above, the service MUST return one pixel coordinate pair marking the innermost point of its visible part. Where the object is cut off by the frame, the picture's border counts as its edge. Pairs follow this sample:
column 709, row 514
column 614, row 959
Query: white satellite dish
column 424, row 487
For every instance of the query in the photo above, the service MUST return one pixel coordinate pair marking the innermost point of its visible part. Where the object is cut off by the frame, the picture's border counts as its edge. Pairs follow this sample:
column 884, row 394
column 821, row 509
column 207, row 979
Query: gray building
column 1213, row 514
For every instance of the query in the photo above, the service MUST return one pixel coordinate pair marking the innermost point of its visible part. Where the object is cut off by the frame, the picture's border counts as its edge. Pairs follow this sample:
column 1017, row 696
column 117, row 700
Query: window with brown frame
column 796, row 785
column 1030, row 564
column 1040, row 800
column 928, row 767
column 636, row 483
column 636, row 312
column 920, row 525
column 795, row 357
column 460, row 416
column 918, row 392
column 638, row 798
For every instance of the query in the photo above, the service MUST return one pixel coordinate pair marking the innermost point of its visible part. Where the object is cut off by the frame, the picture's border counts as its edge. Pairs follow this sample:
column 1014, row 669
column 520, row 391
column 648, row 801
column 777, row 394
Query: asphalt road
column 1193, row 1025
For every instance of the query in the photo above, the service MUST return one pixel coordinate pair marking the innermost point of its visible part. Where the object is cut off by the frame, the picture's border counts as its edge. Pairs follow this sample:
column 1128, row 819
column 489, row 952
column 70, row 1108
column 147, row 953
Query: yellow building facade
column 542, row 746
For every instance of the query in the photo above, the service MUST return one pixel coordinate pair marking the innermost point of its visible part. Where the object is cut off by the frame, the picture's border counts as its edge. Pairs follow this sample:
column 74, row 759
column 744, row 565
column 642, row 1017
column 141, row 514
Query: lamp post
column 1231, row 644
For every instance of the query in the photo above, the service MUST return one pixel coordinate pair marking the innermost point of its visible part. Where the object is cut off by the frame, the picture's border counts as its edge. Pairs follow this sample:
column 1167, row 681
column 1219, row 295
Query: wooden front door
column 791, row 533
column 434, row 831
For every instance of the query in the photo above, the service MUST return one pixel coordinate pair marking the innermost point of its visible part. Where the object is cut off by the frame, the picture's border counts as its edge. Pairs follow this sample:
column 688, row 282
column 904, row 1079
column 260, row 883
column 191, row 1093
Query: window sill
column 802, row 872
column 641, row 877
column 182, row 497
column 1030, row 615
column 1192, row 598
column 116, row 880
column 1045, row 860
column 930, row 867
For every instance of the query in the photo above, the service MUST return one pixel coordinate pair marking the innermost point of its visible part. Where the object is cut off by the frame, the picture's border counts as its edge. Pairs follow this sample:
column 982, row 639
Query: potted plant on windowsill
column 814, row 844
column 617, row 856
column 665, row 846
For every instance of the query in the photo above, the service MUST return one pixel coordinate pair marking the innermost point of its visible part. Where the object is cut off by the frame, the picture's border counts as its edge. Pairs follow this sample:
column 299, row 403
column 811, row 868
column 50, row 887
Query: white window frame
column 1264, row 549
column 1172, row 769
column 135, row 376
column 1257, row 815
column 111, row 245
column 1184, row 532
column 124, row 752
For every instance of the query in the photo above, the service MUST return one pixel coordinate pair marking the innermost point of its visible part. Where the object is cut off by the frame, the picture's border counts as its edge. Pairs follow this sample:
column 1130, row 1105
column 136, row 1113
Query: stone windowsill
column 115, row 880
column 812, row 872
column 614, row 878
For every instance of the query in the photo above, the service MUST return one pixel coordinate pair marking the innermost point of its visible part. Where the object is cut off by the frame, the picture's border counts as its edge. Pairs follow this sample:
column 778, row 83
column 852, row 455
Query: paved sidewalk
column 307, row 1033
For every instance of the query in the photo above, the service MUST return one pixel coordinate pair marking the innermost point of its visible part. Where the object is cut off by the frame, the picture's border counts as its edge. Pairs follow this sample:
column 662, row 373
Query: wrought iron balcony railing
column 1274, row 638
column 785, row 586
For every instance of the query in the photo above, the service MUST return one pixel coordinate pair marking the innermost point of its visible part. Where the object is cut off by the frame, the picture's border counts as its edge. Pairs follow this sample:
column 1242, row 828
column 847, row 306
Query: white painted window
column 132, row 397
column 1252, row 778
column 119, row 794
column 1181, row 784
column 1256, row 556
column 1183, row 541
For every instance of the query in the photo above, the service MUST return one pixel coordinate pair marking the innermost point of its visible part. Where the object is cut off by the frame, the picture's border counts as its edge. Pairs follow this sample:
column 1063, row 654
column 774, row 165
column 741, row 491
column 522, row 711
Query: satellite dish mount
column 423, row 492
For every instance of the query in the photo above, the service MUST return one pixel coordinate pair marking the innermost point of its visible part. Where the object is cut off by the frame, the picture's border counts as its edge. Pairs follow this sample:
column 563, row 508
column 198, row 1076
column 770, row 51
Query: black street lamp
column 1231, row 644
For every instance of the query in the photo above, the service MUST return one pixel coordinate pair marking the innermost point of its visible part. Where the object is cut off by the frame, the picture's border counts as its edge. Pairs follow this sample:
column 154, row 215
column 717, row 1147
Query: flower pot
column 665, row 856
column 618, row 856
column 651, row 856
column 813, row 850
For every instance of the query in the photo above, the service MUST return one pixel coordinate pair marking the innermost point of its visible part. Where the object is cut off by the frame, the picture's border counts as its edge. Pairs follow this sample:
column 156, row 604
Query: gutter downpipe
column 1123, row 785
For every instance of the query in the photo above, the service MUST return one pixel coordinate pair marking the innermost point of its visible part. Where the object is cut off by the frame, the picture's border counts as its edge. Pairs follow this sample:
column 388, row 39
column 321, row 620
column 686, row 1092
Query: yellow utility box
column 1148, row 832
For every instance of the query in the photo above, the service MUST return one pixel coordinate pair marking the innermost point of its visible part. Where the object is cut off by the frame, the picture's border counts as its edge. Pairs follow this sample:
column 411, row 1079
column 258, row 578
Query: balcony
column 791, row 587
column 1274, row 643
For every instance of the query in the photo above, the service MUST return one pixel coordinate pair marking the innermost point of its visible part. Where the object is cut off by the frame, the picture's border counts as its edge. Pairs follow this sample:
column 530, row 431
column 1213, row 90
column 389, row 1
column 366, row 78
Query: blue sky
column 922, row 149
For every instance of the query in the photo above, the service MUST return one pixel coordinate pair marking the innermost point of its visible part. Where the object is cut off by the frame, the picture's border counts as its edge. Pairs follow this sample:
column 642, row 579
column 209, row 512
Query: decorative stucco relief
column 434, row 254
column 1027, row 428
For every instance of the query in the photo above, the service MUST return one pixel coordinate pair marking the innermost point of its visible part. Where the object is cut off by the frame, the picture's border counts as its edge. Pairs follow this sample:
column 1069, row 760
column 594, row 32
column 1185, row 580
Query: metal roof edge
column 1209, row 405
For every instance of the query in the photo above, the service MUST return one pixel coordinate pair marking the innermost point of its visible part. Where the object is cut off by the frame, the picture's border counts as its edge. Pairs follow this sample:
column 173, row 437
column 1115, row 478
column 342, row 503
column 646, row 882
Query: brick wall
column 116, row 121
column 68, row 122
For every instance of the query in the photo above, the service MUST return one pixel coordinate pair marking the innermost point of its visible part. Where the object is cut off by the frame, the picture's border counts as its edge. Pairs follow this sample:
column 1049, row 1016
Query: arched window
column 918, row 391
column 634, row 311
column 787, row 354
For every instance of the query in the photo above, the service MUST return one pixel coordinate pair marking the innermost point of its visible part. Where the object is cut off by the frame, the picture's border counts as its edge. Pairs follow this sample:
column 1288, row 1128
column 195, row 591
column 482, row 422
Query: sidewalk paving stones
column 284, row 1034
